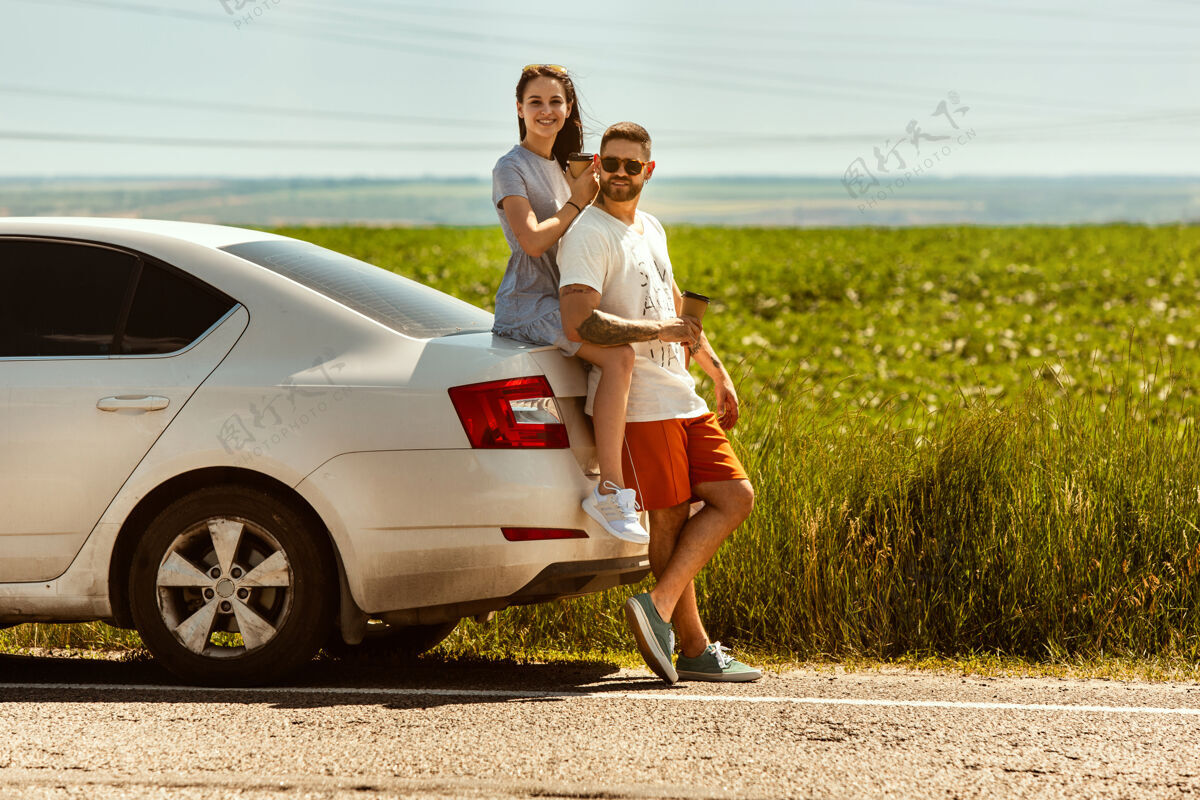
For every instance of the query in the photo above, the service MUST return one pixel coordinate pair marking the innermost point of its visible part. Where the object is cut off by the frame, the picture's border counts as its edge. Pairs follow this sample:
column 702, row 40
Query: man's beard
column 620, row 194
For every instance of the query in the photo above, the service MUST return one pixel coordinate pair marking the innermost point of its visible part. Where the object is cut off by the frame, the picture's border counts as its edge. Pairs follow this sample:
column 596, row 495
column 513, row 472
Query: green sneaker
column 655, row 638
column 715, row 665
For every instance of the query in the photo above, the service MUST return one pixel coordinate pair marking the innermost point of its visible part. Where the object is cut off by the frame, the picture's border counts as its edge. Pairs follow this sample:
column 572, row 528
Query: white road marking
column 665, row 695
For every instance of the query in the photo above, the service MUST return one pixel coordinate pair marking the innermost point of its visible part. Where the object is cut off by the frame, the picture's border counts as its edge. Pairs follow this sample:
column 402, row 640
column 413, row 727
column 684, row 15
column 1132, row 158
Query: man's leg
column 665, row 526
column 681, row 547
column 727, row 504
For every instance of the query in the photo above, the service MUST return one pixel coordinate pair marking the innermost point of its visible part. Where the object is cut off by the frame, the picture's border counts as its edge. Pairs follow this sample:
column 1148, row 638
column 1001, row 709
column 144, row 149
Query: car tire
column 231, row 586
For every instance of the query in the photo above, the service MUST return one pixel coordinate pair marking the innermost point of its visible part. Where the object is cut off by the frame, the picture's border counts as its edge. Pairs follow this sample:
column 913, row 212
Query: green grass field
column 964, row 441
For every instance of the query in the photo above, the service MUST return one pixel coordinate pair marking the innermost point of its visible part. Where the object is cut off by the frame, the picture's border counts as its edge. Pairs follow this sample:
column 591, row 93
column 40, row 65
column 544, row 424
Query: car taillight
column 541, row 534
column 517, row 412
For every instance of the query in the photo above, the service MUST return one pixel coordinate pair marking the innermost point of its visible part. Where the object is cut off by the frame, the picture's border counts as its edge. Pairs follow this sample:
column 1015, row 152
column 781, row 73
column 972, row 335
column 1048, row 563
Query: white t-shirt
column 633, row 274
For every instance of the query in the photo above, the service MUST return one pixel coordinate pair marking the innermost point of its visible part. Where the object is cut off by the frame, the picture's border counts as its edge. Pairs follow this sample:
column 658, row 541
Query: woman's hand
column 585, row 187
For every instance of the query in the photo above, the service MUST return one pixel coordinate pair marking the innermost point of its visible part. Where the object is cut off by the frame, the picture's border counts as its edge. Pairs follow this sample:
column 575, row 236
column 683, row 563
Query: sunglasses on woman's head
column 632, row 165
column 555, row 67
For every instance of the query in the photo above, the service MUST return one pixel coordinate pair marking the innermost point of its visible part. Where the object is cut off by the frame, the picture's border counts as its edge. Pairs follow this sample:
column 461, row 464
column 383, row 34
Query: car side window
column 169, row 312
column 61, row 299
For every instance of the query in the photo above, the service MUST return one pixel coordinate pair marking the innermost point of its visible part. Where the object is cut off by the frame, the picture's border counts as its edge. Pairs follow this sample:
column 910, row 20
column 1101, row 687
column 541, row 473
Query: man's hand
column 727, row 401
column 728, row 406
column 682, row 329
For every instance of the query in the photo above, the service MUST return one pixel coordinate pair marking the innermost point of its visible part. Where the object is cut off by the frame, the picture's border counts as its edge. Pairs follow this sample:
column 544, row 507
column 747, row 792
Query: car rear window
column 403, row 305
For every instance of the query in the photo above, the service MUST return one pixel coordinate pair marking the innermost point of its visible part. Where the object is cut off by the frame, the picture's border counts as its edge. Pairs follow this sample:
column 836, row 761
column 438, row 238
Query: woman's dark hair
column 570, row 138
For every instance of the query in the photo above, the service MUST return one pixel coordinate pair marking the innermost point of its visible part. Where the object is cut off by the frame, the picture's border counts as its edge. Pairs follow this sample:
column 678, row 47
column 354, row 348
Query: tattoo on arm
column 605, row 329
column 575, row 289
column 705, row 353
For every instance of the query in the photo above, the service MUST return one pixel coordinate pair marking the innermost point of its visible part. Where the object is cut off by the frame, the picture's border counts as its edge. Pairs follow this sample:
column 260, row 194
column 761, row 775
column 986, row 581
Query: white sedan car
column 243, row 445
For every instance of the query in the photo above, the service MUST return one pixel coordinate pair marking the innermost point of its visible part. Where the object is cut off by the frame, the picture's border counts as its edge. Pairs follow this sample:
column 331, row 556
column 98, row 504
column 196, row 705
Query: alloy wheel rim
column 225, row 587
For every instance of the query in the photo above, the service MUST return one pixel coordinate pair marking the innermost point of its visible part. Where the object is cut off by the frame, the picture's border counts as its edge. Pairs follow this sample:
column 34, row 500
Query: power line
column 1159, row 116
column 792, row 35
column 358, row 116
column 806, row 85
column 1073, row 15
column 245, row 108
column 765, row 81
column 1169, row 117
column 690, row 140
column 281, row 27
column 252, row 144
column 277, row 26
column 574, row 23
column 797, row 40
column 157, row 101
column 1059, row 53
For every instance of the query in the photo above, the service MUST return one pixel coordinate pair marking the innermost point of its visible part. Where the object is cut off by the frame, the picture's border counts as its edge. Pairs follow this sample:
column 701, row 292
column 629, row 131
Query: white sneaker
column 616, row 513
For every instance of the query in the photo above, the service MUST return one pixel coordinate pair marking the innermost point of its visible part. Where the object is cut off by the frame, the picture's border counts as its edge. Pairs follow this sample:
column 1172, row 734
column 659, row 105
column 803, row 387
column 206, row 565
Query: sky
column 382, row 89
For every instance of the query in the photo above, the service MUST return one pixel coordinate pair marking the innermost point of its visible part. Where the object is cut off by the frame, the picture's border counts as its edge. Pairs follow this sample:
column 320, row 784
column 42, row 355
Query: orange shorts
column 662, row 460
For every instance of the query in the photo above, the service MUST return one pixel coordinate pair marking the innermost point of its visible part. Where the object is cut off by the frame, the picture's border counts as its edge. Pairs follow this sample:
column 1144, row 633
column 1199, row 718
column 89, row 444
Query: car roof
column 128, row 231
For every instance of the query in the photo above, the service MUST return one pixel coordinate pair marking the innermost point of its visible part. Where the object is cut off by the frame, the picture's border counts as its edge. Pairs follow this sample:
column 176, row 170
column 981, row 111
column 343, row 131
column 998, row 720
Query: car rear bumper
column 556, row 581
column 423, row 529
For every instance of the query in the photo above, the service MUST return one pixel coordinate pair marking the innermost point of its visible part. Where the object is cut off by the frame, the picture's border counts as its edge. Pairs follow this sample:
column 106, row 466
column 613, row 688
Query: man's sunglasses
column 632, row 165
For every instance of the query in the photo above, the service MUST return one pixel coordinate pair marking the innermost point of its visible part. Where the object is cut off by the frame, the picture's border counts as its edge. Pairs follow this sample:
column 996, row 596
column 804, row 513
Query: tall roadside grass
column 1043, row 527
column 83, row 636
column 1053, row 527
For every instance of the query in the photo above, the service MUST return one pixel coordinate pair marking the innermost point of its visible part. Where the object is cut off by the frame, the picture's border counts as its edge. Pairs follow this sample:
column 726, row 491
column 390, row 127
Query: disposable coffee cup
column 694, row 305
column 578, row 162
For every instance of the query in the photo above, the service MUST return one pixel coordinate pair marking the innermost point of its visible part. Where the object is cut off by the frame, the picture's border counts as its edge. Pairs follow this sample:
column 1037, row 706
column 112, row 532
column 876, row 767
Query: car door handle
column 138, row 402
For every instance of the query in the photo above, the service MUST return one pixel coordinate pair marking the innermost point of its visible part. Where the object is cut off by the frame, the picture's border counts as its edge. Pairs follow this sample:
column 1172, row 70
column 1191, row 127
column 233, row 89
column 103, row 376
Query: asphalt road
column 72, row 728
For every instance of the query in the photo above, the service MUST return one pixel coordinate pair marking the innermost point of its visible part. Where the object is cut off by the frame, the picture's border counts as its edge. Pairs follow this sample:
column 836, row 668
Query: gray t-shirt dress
column 527, row 300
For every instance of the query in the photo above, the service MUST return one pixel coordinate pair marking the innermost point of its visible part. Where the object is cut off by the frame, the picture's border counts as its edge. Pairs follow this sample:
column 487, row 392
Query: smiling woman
column 534, row 200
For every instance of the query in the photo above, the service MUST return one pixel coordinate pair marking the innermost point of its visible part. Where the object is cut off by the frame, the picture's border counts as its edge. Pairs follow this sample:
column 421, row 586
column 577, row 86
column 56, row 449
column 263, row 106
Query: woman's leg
column 608, row 406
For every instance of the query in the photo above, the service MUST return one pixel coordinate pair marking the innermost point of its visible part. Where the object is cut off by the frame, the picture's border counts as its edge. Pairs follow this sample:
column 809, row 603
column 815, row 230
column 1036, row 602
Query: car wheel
column 231, row 586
